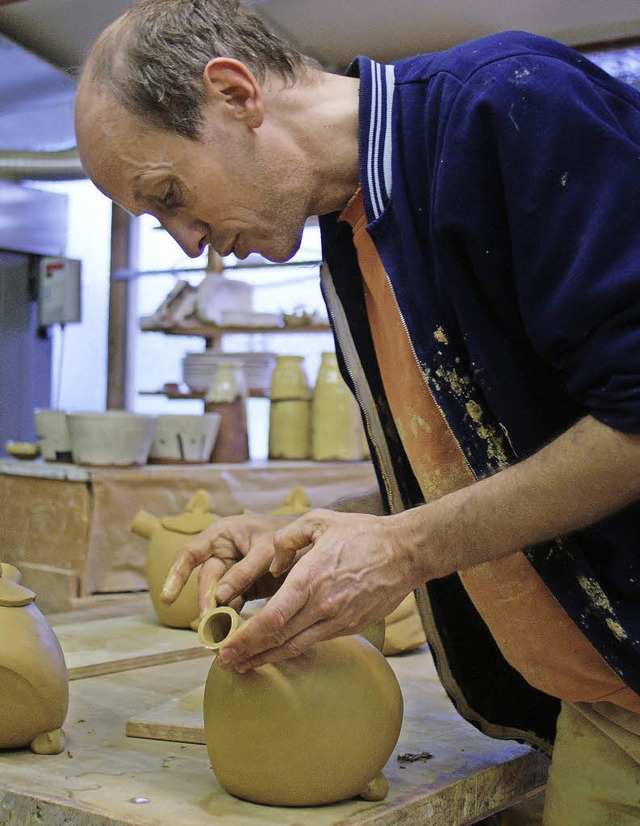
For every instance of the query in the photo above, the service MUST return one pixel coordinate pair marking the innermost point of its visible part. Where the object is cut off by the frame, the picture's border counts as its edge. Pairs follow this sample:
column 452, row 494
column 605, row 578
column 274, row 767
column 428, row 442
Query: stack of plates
column 198, row 369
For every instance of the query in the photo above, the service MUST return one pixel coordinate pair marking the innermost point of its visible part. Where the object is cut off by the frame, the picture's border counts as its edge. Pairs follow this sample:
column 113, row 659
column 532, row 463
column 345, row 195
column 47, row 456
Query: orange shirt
column 534, row 633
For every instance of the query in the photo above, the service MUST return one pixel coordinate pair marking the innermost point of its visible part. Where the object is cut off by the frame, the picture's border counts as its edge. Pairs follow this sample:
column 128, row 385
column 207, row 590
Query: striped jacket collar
column 376, row 102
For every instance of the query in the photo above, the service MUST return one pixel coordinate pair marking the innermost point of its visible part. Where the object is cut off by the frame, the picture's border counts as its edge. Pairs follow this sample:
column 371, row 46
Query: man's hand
column 352, row 569
column 235, row 553
column 346, row 572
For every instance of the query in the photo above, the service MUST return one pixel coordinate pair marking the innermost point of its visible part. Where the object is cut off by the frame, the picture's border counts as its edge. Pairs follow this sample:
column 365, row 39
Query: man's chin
column 279, row 254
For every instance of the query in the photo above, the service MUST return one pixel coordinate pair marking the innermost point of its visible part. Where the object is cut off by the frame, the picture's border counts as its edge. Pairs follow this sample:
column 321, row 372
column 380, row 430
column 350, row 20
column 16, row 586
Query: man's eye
column 170, row 197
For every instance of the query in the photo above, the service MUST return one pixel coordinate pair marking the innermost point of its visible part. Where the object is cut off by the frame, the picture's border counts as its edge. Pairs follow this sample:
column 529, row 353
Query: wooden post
column 119, row 294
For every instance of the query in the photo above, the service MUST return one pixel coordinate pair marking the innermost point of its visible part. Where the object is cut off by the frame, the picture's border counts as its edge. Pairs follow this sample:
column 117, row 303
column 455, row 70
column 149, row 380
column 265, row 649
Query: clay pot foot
column 51, row 742
column 375, row 789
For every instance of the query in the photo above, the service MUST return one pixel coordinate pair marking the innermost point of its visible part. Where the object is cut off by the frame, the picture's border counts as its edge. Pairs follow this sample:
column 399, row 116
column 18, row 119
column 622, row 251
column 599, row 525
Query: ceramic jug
column 34, row 683
column 289, row 410
column 166, row 536
column 312, row 730
column 336, row 427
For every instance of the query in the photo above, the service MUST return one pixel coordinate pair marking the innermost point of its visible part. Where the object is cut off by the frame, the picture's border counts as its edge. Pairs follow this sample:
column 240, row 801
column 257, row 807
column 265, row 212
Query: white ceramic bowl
column 198, row 369
column 181, row 438
column 114, row 438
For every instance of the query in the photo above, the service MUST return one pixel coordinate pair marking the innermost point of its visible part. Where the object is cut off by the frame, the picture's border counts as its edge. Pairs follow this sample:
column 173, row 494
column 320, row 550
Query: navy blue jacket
column 501, row 182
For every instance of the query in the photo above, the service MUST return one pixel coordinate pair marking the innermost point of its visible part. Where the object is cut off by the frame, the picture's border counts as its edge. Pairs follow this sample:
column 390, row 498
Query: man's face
column 219, row 190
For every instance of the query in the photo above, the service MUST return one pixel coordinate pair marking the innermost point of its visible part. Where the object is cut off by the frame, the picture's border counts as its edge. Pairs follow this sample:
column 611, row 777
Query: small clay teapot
column 312, row 730
column 166, row 536
column 34, row 683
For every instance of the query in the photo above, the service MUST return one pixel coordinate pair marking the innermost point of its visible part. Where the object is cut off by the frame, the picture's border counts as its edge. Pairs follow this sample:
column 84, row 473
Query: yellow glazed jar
column 289, row 411
column 336, row 427
column 312, row 730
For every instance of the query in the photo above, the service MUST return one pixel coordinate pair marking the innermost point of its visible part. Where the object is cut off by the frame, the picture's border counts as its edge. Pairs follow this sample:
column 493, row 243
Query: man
column 481, row 224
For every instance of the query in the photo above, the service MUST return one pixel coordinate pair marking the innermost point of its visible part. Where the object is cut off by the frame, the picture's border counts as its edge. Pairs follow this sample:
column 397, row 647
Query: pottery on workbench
column 308, row 731
column 34, row 683
column 166, row 536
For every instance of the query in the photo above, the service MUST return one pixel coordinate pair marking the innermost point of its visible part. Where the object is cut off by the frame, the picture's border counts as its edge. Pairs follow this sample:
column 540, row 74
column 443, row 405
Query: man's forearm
column 586, row 474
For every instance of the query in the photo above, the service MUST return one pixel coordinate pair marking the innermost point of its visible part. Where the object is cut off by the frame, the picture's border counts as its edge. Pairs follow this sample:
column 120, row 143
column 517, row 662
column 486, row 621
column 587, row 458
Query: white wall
column 79, row 379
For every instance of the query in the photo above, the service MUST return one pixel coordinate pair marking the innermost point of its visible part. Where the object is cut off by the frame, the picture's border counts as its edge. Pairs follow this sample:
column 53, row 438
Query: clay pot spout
column 216, row 626
column 145, row 524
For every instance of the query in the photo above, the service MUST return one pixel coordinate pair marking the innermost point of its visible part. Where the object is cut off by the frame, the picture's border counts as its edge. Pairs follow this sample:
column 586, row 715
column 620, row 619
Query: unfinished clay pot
column 34, row 684
column 313, row 730
column 296, row 502
column 166, row 536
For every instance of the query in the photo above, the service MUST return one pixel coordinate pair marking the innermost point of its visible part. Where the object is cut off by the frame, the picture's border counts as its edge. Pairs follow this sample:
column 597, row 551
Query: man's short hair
column 152, row 58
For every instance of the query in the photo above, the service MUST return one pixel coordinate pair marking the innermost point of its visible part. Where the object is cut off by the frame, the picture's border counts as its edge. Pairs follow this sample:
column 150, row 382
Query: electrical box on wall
column 58, row 291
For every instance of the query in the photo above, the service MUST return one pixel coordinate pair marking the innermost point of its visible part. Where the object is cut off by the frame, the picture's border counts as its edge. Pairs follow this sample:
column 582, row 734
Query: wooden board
column 107, row 646
column 107, row 779
column 178, row 720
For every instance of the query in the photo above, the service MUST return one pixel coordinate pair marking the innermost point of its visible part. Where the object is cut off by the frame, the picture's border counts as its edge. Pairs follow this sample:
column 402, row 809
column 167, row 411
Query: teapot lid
column 13, row 595
column 188, row 522
column 196, row 517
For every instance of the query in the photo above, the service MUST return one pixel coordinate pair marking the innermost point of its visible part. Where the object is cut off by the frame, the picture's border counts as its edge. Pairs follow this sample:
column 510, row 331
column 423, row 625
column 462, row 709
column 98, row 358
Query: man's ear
column 229, row 82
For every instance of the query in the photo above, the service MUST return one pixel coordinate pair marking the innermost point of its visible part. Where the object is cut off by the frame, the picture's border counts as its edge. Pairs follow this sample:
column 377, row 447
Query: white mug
column 52, row 432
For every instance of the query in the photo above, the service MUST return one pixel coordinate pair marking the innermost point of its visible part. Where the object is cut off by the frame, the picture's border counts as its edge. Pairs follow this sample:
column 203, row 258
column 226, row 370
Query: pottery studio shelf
column 106, row 778
column 214, row 331
column 199, row 395
column 213, row 335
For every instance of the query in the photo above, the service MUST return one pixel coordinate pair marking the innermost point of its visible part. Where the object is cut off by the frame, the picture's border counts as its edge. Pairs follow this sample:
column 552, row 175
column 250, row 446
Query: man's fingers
column 197, row 551
column 267, row 629
column 293, row 541
column 210, row 573
column 180, row 571
column 241, row 576
column 294, row 646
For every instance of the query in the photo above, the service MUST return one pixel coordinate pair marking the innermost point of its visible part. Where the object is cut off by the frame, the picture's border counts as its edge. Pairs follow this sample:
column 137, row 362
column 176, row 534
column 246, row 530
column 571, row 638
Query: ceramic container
column 52, row 432
column 309, row 731
column 289, row 410
column 226, row 396
column 166, row 536
column 114, row 438
column 228, row 382
column 34, row 683
column 336, row 427
column 184, row 439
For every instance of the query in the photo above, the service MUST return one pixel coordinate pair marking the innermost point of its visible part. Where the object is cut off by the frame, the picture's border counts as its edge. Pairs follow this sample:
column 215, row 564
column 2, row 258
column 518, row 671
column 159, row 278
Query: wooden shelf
column 214, row 330
column 189, row 394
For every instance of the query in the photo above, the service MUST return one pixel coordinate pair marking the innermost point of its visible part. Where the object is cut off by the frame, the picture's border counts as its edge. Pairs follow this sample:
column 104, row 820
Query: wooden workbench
column 104, row 777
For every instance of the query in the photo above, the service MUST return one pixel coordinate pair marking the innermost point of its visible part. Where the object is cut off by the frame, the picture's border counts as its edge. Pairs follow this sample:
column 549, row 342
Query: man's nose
column 191, row 237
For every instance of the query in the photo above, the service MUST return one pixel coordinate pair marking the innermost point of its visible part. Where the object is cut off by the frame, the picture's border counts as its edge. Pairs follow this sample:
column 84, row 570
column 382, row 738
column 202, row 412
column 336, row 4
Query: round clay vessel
column 34, row 684
column 166, row 536
column 312, row 730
